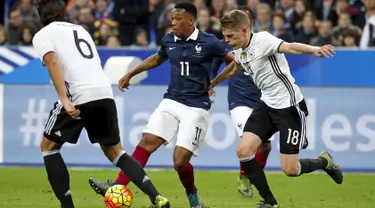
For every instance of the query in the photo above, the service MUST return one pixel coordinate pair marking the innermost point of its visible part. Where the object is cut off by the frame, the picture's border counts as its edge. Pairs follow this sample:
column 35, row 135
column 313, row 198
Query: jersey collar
column 193, row 36
column 251, row 37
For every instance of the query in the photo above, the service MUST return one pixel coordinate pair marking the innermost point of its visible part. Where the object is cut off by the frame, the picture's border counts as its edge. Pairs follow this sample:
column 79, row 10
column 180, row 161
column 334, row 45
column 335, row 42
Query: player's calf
column 57, row 172
column 294, row 167
column 265, row 148
column 245, row 152
column 244, row 184
column 263, row 152
column 181, row 159
column 131, row 168
column 148, row 145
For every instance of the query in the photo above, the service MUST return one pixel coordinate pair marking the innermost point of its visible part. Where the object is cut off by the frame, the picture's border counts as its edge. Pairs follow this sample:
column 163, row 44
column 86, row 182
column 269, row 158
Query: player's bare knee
column 244, row 152
column 180, row 164
column 181, row 161
column 248, row 145
column 290, row 164
column 181, row 157
column 290, row 170
column 48, row 145
column 151, row 142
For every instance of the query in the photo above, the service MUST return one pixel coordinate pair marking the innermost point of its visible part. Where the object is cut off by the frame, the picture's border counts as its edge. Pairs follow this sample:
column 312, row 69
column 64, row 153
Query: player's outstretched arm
column 150, row 63
column 229, row 71
column 300, row 48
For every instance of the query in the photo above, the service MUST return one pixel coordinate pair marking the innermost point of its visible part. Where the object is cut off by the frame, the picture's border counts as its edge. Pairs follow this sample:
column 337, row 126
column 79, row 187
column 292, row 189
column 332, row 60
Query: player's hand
column 325, row 51
column 211, row 92
column 124, row 82
column 71, row 110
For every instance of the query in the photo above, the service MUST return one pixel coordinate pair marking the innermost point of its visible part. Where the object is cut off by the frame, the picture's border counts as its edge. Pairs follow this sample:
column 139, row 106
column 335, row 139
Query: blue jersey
column 241, row 90
column 191, row 63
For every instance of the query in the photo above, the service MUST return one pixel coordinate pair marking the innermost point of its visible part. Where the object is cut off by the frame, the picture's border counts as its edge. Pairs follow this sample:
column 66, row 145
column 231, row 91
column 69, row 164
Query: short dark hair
column 188, row 6
column 51, row 10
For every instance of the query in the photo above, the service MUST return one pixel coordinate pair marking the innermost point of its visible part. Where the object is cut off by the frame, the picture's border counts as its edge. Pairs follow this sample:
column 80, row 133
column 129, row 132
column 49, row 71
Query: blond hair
column 234, row 20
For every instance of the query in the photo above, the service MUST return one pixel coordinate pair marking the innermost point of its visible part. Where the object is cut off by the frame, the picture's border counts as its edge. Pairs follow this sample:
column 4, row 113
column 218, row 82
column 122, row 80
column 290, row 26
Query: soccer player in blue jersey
column 184, row 109
column 243, row 97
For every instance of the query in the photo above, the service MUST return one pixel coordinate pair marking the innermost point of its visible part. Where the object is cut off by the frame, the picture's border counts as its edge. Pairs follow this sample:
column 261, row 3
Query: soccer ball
column 118, row 196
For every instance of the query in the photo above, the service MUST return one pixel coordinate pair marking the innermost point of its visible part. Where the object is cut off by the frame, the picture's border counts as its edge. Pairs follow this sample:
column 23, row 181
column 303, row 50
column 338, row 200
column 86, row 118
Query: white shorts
column 239, row 117
column 171, row 118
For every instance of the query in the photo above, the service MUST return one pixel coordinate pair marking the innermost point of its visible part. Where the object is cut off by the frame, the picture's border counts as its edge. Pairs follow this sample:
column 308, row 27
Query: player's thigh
column 239, row 117
column 60, row 127
column 162, row 122
column 100, row 121
column 291, row 122
column 260, row 124
column 192, row 129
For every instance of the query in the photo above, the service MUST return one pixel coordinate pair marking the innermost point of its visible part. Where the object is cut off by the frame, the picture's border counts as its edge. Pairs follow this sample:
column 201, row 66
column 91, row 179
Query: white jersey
column 79, row 60
column 269, row 70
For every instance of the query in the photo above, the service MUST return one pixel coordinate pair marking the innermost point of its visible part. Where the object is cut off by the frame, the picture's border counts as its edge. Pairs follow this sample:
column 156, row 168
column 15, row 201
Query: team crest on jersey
column 198, row 50
column 245, row 58
column 244, row 55
column 247, row 55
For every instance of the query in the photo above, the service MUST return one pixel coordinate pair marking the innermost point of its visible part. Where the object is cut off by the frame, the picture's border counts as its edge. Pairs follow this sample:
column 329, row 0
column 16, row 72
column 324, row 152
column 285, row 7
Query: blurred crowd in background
column 143, row 23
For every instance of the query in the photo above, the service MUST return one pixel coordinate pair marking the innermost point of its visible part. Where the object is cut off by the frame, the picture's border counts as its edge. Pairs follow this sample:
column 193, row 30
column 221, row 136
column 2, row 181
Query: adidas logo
column 58, row 133
column 145, row 179
column 68, row 193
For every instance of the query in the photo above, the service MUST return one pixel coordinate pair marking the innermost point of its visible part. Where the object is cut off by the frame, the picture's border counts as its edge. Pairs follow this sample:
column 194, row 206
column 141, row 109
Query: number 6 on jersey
column 184, row 68
column 77, row 41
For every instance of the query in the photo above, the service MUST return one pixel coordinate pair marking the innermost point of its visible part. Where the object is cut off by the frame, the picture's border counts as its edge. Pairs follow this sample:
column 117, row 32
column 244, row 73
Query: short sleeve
column 163, row 49
column 237, row 54
column 43, row 44
column 219, row 48
column 269, row 43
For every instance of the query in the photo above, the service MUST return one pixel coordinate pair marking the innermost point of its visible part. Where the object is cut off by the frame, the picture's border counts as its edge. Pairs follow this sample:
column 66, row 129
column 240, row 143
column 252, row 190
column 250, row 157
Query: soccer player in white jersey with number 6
column 283, row 107
column 85, row 101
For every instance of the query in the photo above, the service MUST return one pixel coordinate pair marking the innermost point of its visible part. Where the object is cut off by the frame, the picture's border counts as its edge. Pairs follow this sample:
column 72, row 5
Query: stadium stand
column 336, row 22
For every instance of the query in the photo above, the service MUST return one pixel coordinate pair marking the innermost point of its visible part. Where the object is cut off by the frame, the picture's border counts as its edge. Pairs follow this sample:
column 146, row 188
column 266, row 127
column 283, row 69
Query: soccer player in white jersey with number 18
column 282, row 108
column 86, row 101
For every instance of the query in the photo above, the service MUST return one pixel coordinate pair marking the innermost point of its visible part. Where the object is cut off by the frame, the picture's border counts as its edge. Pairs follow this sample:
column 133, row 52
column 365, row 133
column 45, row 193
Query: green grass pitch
column 24, row 187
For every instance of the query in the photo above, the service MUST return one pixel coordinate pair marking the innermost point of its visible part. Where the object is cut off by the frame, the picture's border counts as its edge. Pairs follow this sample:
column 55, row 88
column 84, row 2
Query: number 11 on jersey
column 184, row 68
